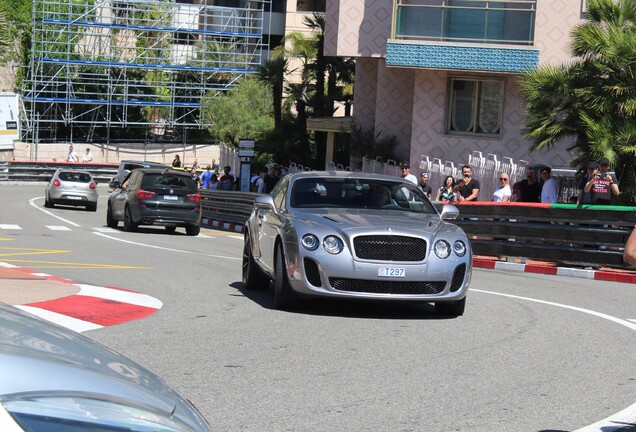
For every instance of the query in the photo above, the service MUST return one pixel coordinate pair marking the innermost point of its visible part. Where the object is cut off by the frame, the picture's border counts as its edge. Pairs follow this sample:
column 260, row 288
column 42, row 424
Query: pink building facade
column 442, row 75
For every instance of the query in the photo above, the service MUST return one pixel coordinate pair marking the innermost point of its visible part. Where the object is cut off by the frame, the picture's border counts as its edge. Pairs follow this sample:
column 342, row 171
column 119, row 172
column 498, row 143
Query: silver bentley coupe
column 353, row 235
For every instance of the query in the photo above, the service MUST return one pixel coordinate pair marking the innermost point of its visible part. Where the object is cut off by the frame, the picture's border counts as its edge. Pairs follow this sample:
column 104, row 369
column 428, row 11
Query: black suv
column 153, row 196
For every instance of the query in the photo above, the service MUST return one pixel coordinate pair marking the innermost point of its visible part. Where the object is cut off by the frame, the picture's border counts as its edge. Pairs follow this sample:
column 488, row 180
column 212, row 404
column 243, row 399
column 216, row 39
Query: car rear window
column 164, row 181
column 75, row 177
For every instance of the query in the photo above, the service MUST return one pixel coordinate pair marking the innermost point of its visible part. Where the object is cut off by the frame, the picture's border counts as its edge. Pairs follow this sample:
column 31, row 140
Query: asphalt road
column 531, row 353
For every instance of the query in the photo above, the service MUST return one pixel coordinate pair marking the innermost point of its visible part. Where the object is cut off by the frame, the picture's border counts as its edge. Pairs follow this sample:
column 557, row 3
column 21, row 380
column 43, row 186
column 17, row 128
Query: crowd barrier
column 589, row 236
column 43, row 171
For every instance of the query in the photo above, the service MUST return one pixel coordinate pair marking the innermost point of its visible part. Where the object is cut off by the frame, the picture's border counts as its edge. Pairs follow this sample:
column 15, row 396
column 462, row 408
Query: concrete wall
column 111, row 154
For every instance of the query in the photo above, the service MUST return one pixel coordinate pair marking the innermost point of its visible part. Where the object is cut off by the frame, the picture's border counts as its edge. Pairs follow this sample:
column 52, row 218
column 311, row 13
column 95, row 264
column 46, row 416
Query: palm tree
column 594, row 98
column 273, row 74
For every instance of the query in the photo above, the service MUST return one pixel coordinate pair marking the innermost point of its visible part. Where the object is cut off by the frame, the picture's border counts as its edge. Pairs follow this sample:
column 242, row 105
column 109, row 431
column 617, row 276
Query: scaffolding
column 119, row 70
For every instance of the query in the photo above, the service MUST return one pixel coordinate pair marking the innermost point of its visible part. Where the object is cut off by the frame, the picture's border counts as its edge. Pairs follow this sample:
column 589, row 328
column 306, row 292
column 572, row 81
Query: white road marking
column 119, row 295
column 626, row 323
column 616, row 421
column 71, row 323
column 58, row 228
column 106, row 230
column 11, row 227
column 32, row 203
column 167, row 249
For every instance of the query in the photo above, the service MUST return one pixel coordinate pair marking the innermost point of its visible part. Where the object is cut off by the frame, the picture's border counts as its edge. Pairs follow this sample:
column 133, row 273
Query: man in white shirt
column 72, row 155
column 550, row 189
column 406, row 173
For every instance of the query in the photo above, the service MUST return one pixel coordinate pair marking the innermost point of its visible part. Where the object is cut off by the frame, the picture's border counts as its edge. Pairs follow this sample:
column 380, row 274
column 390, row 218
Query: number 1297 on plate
column 396, row 272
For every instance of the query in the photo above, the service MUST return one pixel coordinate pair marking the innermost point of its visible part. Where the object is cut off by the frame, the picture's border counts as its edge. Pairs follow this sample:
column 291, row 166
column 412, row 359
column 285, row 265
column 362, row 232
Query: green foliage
column 244, row 112
column 365, row 142
column 593, row 99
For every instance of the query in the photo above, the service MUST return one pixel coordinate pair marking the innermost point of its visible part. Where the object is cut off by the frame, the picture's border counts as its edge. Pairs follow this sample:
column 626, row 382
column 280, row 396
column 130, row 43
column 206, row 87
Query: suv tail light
column 93, row 186
column 56, row 183
column 194, row 197
column 142, row 194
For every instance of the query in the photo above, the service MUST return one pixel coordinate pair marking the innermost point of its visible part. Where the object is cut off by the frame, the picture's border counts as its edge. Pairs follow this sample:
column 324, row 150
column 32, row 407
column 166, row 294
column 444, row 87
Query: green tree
column 243, row 112
column 273, row 73
column 592, row 99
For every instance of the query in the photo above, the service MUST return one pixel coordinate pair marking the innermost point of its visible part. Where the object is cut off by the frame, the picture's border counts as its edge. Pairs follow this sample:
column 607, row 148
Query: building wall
column 554, row 21
column 363, row 27
column 429, row 117
column 411, row 103
column 394, row 106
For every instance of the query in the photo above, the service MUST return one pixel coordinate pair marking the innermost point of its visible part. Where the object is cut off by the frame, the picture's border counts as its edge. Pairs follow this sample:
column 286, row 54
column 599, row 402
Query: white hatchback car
column 71, row 187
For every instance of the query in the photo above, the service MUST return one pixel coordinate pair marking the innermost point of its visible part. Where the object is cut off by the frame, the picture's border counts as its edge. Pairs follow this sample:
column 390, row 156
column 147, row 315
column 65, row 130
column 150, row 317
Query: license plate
column 170, row 197
column 74, row 197
column 396, row 272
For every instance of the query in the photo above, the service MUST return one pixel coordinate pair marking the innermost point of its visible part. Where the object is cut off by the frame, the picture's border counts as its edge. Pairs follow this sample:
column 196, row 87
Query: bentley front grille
column 387, row 286
column 390, row 248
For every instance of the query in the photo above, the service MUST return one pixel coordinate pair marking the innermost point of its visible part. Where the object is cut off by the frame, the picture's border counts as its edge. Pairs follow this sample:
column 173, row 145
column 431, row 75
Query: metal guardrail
column 592, row 236
column 42, row 171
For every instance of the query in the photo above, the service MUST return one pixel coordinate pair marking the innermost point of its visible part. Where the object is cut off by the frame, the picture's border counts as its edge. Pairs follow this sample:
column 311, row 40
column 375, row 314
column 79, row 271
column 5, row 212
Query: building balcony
column 491, row 35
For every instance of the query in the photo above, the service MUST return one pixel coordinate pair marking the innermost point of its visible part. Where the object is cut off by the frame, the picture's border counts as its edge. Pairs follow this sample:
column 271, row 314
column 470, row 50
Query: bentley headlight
column 460, row 248
column 332, row 244
column 442, row 249
column 310, row 242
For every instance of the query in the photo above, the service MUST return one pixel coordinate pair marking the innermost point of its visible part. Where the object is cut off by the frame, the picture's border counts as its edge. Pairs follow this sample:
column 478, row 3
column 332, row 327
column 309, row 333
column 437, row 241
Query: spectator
column 88, row 157
column 424, row 186
column 215, row 166
column 196, row 165
column 72, row 155
column 206, row 177
column 260, row 182
column 503, row 191
column 176, row 162
column 586, row 197
column 446, row 192
column 516, row 192
column 226, row 182
column 602, row 185
column 467, row 188
column 272, row 177
column 530, row 188
column 195, row 176
column 254, row 180
column 550, row 189
column 629, row 255
column 406, row 173
column 277, row 175
column 214, row 182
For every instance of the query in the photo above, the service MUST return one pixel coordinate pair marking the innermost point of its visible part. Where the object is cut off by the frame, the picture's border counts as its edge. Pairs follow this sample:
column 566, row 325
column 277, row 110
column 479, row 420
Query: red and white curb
column 222, row 225
column 552, row 270
column 92, row 307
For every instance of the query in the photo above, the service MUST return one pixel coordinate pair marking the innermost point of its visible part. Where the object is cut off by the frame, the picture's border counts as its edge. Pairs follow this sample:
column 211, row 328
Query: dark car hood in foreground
column 365, row 220
column 37, row 356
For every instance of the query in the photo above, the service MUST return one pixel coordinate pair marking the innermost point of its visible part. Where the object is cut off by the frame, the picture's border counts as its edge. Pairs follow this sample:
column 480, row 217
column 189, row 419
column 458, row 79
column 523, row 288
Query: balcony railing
column 474, row 21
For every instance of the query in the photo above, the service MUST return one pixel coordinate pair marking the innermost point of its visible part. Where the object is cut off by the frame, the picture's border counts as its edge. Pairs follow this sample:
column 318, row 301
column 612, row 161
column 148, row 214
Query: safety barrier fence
column 591, row 236
column 42, row 171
